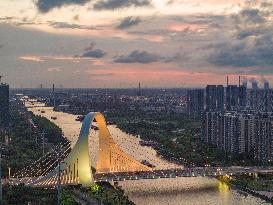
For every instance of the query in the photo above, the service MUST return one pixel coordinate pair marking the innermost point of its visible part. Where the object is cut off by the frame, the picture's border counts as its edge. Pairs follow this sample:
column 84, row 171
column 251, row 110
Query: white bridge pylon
column 76, row 168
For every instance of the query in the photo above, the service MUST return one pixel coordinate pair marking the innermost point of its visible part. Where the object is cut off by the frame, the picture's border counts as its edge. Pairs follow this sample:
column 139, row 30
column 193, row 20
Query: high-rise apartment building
column 240, row 133
column 254, row 85
column 195, row 101
column 242, row 97
column 4, row 104
column 211, row 127
column 262, row 136
column 220, row 99
column 267, row 100
column 266, row 85
column 232, row 97
column 215, row 98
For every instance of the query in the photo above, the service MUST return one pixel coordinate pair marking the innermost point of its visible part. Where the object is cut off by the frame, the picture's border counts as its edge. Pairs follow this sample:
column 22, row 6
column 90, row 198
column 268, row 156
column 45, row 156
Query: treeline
column 22, row 144
column 107, row 194
column 22, row 195
column 23, row 141
column 177, row 137
column 52, row 133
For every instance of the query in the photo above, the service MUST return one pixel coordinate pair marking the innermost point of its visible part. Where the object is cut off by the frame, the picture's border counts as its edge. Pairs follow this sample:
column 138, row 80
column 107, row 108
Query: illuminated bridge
column 73, row 167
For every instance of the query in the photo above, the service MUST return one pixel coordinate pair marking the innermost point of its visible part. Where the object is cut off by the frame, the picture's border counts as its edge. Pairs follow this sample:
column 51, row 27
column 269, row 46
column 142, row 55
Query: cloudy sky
column 118, row 43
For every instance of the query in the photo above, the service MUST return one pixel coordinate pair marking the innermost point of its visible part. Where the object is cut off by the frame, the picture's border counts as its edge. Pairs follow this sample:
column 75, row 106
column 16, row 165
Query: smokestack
column 41, row 86
column 139, row 88
column 53, row 88
column 239, row 81
column 227, row 81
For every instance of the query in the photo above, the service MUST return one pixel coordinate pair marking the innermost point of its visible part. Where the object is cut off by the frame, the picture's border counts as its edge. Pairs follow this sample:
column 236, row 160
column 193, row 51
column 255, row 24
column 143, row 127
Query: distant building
column 220, row 99
column 4, row 104
column 211, row 128
column 214, row 98
column 255, row 99
column 245, row 83
column 262, row 136
column 232, row 97
column 242, row 97
column 266, row 85
column 195, row 102
column 240, row 133
column 211, row 98
column 255, row 85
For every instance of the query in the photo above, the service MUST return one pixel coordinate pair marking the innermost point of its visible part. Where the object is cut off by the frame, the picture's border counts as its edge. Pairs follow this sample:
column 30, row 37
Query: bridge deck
column 174, row 173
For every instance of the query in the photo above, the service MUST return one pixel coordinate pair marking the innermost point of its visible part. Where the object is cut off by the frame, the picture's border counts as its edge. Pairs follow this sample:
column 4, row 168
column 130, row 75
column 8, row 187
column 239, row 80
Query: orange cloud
column 156, row 75
column 186, row 27
column 54, row 70
column 31, row 58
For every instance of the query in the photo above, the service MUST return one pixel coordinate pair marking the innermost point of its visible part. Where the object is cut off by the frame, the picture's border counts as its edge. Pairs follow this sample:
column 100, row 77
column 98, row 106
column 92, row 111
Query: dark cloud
column 91, row 52
column 97, row 53
column 248, row 52
column 177, row 57
column 249, row 15
column 128, row 22
column 45, row 6
column 119, row 4
column 138, row 57
column 1, row 46
column 251, row 42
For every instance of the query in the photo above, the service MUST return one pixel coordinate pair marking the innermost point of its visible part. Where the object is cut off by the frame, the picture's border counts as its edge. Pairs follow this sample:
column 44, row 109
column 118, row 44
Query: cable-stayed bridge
column 73, row 166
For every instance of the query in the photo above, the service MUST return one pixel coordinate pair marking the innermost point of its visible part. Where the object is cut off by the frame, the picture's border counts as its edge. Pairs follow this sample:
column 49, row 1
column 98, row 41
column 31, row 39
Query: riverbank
column 264, row 195
column 182, row 191
column 105, row 192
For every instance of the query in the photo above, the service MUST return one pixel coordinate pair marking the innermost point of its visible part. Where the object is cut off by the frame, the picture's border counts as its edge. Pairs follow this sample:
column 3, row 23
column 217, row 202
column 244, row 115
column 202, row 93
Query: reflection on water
column 186, row 191
column 224, row 189
column 178, row 191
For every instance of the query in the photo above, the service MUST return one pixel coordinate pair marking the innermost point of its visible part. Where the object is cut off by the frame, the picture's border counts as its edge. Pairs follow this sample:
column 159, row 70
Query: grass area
column 258, row 182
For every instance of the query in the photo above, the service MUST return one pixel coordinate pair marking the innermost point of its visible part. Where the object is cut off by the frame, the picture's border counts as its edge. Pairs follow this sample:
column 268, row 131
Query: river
column 179, row 191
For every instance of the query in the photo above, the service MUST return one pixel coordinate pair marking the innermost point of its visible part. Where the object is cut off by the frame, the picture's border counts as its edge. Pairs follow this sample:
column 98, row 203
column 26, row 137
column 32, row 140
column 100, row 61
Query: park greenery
column 177, row 138
column 253, row 182
column 22, row 195
column 108, row 194
column 23, row 142
column 21, row 145
column 67, row 197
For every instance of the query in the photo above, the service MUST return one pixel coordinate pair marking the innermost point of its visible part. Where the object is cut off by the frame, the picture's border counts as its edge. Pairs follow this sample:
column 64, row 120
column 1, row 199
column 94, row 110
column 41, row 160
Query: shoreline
column 247, row 191
column 124, row 187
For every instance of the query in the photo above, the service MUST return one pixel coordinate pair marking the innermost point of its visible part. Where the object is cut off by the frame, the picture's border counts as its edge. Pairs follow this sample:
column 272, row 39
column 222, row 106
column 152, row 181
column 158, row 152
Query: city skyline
column 114, row 43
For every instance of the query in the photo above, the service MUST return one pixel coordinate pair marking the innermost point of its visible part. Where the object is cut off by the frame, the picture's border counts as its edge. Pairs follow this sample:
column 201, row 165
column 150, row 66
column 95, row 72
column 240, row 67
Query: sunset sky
column 118, row 43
